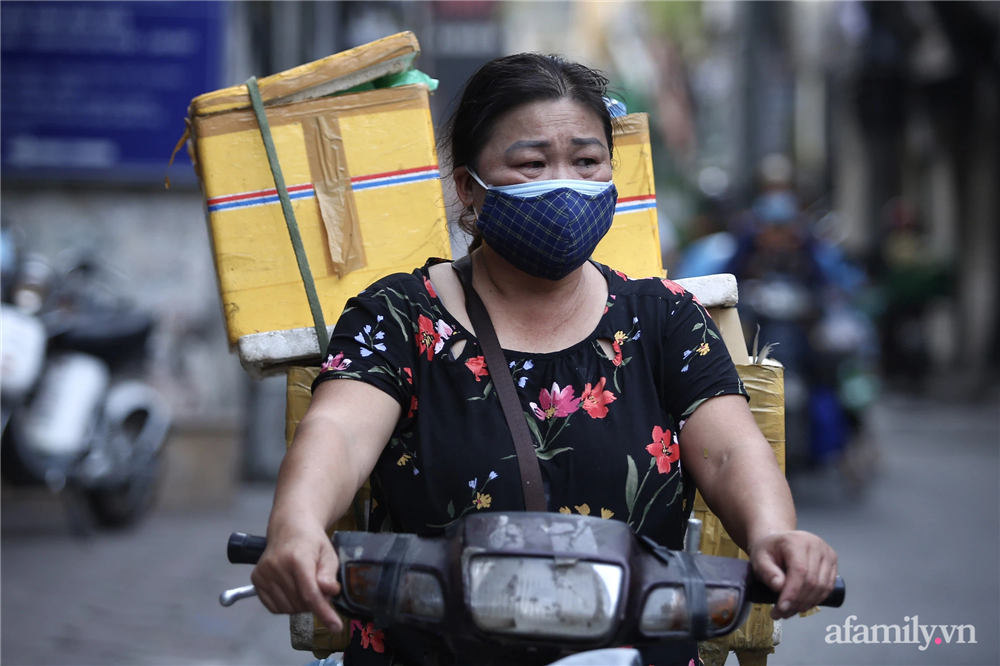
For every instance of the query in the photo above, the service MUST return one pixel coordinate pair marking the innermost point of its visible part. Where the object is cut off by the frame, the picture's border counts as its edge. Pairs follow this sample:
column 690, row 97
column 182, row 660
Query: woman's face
column 548, row 140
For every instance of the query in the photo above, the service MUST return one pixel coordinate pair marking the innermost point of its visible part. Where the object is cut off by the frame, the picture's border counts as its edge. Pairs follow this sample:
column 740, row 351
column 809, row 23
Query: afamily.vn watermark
column 911, row 631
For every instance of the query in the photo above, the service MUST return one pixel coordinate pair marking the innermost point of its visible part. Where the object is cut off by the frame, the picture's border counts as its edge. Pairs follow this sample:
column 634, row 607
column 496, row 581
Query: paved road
column 146, row 597
column 924, row 543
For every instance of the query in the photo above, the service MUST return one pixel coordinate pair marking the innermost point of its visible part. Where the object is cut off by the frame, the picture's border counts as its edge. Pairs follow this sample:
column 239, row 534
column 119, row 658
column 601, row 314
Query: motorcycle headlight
column 543, row 597
column 419, row 594
column 666, row 610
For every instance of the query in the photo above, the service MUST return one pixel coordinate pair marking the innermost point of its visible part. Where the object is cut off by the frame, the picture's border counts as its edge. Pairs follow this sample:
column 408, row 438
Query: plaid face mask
column 546, row 228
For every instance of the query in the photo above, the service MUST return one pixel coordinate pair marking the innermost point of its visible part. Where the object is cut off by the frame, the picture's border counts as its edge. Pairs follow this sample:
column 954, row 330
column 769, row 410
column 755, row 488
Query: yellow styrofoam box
column 633, row 243
column 361, row 163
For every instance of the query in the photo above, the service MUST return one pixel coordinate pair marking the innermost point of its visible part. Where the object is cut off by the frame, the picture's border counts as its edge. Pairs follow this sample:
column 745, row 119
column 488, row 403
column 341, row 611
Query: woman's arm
column 737, row 474
column 336, row 446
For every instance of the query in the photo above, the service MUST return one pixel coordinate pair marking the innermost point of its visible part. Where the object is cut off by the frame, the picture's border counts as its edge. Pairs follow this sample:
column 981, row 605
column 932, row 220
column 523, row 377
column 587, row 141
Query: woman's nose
column 562, row 171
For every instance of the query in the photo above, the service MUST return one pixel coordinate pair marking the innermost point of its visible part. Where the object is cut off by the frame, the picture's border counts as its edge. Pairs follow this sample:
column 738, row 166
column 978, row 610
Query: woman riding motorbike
column 631, row 397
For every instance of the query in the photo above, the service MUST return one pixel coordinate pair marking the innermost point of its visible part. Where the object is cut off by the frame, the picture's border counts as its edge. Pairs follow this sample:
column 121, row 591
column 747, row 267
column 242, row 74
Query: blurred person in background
column 712, row 246
column 797, row 293
column 772, row 236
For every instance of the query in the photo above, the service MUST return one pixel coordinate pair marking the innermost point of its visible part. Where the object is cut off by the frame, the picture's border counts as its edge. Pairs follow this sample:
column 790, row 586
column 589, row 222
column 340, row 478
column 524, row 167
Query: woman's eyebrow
column 576, row 141
column 527, row 144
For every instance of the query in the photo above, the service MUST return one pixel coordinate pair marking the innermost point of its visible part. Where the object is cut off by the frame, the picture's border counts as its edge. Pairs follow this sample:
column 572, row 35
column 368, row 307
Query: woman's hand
column 336, row 446
column 799, row 565
column 298, row 573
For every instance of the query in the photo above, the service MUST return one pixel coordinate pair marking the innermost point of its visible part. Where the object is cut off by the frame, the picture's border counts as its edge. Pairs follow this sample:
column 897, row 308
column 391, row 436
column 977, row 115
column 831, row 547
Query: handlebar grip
column 759, row 593
column 245, row 548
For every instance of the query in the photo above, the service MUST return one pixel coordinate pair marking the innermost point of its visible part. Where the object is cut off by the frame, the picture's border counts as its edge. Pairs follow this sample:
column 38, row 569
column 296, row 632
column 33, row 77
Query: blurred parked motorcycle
column 75, row 416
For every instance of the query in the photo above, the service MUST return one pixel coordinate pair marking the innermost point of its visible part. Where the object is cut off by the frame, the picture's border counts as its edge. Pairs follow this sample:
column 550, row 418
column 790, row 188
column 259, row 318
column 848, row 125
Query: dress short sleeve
column 696, row 364
column 372, row 343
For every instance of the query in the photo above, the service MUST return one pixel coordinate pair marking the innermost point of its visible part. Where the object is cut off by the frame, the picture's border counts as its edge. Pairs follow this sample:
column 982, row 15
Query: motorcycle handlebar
column 247, row 549
column 759, row 593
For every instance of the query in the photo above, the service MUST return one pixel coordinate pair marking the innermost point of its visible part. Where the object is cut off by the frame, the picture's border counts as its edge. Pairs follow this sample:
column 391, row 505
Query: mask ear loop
column 478, row 180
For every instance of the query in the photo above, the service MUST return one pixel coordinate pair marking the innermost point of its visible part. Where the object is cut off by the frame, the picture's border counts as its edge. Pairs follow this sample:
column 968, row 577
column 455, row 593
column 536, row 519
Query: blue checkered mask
column 546, row 228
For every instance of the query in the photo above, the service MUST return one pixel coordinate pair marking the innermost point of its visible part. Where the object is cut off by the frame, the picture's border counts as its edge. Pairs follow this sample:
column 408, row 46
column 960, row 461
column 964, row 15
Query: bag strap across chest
column 503, row 383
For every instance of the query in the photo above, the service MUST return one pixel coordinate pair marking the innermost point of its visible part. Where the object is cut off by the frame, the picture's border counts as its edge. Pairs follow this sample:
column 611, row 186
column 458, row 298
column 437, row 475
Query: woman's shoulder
column 652, row 289
column 405, row 286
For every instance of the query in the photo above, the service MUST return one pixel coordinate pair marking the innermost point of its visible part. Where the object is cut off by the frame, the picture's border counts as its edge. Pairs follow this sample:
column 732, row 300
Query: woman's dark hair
column 506, row 83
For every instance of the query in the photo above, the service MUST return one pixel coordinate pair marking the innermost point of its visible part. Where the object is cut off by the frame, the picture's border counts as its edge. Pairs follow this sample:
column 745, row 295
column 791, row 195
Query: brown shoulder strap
column 503, row 383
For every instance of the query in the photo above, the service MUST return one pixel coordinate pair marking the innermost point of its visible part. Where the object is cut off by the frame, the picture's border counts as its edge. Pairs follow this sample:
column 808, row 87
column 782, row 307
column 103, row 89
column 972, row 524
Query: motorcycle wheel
column 126, row 504
column 139, row 422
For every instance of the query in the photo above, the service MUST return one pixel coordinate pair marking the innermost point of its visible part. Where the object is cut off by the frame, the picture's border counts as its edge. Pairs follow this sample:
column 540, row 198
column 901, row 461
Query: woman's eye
column 533, row 165
column 586, row 161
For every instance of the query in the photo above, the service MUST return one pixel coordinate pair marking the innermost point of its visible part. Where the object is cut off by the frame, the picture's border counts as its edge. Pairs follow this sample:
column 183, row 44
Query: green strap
column 286, row 208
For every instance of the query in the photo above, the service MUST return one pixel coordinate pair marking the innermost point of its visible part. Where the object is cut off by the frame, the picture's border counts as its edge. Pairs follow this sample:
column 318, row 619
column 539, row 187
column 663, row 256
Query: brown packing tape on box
column 765, row 384
column 334, row 194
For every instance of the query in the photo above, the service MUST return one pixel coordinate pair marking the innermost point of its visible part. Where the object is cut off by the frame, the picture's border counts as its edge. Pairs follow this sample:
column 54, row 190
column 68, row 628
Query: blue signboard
column 100, row 90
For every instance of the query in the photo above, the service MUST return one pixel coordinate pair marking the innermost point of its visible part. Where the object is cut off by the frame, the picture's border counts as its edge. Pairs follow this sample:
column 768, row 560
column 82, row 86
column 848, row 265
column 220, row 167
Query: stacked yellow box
column 361, row 170
column 633, row 243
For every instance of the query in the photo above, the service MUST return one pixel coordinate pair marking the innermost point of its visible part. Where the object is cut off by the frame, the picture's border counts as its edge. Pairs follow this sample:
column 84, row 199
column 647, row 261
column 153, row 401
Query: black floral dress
column 604, row 426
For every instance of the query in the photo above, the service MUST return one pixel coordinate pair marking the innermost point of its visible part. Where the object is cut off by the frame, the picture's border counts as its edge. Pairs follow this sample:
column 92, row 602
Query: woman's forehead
column 545, row 123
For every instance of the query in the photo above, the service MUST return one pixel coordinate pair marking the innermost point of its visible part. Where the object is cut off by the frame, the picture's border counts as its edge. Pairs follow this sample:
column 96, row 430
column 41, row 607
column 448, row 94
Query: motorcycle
column 74, row 416
column 530, row 588
column 799, row 293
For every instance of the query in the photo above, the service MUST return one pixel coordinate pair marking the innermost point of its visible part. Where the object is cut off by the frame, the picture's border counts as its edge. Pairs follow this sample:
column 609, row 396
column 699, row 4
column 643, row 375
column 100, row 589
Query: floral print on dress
column 554, row 407
column 369, row 338
column 429, row 336
column 477, row 364
column 619, row 339
column 429, row 287
column 664, row 448
column 519, row 371
column 584, row 510
column 478, row 500
column 335, row 363
column 596, row 400
column 370, row 637
column 701, row 348
column 557, row 403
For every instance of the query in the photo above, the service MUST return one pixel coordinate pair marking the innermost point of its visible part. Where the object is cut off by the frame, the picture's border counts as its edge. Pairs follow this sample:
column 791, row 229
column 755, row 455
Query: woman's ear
column 464, row 184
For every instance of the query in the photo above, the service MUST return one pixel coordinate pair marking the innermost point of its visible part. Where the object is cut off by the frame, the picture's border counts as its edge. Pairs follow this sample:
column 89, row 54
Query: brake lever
column 230, row 597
